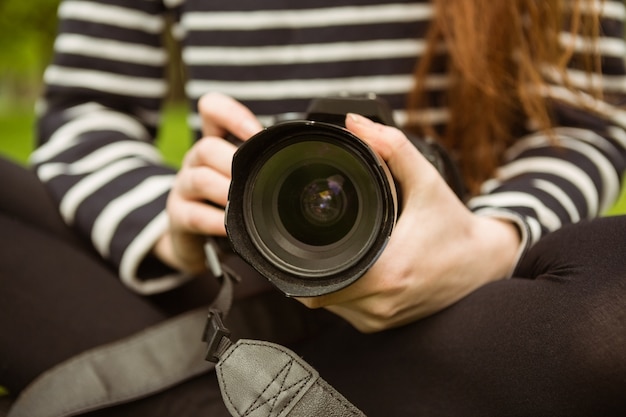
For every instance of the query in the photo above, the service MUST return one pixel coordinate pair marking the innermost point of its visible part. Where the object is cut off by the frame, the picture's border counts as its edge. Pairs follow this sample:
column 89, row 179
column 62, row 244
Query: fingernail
column 249, row 127
column 358, row 119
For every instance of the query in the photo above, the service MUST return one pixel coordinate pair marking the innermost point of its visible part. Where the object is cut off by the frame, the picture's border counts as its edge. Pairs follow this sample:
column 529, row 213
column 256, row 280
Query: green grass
column 620, row 205
column 16, row 134
column 174, row 136
column 17, row 142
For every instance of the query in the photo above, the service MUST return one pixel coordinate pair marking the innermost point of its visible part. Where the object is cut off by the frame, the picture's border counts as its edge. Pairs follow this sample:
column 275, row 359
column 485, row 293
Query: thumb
column 407, row 165
column 222, row 114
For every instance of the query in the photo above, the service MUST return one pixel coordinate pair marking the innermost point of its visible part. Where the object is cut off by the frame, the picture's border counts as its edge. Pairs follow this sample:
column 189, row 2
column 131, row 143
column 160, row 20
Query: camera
column 311, row 206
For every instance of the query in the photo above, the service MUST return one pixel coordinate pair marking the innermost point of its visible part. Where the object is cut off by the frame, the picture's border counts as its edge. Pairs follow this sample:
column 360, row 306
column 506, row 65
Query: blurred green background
column 27, row 30
column 26, row 34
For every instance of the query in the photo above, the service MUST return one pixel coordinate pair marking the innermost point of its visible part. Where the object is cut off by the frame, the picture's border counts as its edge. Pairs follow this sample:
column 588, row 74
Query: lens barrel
column 311, row 206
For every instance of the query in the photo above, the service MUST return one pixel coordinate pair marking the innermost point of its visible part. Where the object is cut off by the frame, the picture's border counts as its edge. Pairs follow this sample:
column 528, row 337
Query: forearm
column 100, row 113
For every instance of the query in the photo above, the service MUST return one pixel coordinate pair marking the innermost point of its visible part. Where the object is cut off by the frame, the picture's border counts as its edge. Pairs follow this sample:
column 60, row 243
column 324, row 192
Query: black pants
column 550, row 342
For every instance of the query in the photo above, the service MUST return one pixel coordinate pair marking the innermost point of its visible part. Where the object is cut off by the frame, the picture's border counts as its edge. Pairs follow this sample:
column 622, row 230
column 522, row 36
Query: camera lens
column 310, row 207
column 306, row 207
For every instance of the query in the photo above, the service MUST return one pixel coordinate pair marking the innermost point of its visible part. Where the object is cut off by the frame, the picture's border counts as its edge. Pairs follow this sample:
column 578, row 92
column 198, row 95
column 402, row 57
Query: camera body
column 311, row 206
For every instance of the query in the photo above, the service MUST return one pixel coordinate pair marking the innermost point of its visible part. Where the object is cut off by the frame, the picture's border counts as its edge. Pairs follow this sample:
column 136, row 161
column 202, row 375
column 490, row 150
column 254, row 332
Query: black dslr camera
column 311, row 206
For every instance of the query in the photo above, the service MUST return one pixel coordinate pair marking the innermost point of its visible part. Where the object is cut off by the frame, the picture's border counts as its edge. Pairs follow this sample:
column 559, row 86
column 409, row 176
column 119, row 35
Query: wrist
column 164, row 251
column 502, row 243
column 182, row 251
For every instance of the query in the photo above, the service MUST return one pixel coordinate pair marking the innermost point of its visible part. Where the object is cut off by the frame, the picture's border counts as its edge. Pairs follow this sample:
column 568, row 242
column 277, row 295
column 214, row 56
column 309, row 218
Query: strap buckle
column 216, row 335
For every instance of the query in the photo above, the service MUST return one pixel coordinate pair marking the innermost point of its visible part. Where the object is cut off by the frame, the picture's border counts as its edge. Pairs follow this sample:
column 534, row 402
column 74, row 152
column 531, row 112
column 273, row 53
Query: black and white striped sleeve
column 97, row 124
column 547, row 182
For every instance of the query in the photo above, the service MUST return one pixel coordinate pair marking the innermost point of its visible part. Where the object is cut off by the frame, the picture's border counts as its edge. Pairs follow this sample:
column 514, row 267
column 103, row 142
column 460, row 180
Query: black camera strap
column 259, row 378
column 216, row 335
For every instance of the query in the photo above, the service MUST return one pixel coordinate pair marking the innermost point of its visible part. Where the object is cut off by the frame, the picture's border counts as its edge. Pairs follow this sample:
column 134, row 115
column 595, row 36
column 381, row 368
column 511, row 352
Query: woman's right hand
column 204, row 178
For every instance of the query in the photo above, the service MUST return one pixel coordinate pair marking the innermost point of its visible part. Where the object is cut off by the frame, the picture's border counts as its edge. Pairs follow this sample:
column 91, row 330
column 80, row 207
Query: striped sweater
column 105, row 88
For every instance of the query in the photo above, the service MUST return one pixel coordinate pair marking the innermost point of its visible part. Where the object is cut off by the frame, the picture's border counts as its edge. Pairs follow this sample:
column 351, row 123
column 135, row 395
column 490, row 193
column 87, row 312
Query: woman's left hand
column 438, row 253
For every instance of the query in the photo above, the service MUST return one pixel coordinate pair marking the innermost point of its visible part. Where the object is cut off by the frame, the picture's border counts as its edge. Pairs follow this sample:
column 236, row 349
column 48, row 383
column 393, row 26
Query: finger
column 222, row 114
column 213, row 152
column 359, row 319
column 366, row 322
column 201, row 183
column 365, row 287
column 197, row 217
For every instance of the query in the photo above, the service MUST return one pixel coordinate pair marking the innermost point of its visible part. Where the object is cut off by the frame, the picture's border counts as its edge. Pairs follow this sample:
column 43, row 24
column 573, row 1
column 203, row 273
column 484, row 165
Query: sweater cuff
column 522, row 228
column 139, row 252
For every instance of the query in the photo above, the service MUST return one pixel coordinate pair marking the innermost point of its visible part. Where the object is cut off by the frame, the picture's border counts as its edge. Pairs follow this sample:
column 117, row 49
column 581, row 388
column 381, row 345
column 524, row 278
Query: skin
column 437, row 253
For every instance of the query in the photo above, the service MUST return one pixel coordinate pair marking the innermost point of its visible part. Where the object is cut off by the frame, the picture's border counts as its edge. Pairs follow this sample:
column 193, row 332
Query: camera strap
column 259, row 378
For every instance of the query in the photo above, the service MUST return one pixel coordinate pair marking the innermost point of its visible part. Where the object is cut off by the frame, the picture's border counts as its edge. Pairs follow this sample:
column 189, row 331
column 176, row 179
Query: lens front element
column 317, row 204
column 307, row 208
column 323, row 201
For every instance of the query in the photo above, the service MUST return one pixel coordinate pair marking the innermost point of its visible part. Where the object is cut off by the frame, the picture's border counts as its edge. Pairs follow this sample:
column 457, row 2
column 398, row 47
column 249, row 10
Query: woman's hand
column 438, row 253
column 204, row 177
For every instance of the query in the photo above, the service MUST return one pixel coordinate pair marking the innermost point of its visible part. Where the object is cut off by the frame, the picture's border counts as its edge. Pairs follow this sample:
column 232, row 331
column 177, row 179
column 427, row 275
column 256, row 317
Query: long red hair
column 495, row 54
